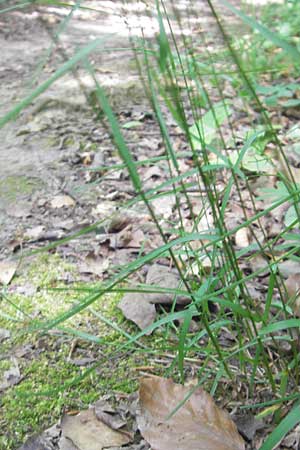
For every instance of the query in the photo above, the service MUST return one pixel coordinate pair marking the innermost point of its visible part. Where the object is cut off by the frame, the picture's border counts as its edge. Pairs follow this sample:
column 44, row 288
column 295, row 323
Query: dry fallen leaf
column 94, row 264
column 89, row 433
column 35, row 233
column 61, row 201
column 241, row 238
column 198, row 424
column 137, row 308
column 163, row 206
column 7, row 271
column 140, row 307
column 11, row 376
column 118, row 222
column 292, row 285
column 4, row 334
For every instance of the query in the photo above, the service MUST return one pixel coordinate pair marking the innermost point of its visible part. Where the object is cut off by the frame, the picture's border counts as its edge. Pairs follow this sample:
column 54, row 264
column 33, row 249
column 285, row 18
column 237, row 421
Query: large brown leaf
column 198, row 425
column 89, row 433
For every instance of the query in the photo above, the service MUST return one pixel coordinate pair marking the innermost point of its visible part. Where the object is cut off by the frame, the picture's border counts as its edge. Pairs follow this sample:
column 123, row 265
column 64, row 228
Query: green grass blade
column 182, row 337
column 281, row 325
column 286, row 425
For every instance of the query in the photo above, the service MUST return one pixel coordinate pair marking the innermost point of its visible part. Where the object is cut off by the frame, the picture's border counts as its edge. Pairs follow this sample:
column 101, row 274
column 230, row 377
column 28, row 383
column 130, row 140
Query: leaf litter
column 162, row 415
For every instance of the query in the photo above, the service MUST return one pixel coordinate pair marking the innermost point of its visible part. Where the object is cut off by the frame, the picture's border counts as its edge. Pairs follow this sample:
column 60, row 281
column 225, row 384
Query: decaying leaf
column 47, row 440
column 11, row 376
column 4, row 334
column 118, row 222
column 94, row 264
column 292, row 285
column 140, row 307
column 111, row 417
column 89, row 433
column 197, row 425
column 61, row 201
column 35, row 233
column 163, row 205
column 137, row 308
column 7, row 271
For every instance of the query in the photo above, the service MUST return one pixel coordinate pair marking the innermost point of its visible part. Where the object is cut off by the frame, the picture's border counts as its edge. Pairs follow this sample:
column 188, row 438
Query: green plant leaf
column 255, row 162
column 290, row 216
column 286, row 425
column 273, row 37
column 164, row 47
column 281, row 325
column 132, row 124
column 205, row 129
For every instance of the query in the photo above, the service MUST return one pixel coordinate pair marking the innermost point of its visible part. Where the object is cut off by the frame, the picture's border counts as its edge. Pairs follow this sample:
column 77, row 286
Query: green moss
column 51, row 381
column 13, row 187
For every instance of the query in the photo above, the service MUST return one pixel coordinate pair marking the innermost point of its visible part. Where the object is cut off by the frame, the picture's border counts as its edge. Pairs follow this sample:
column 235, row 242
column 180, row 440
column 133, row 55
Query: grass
column 226, row 157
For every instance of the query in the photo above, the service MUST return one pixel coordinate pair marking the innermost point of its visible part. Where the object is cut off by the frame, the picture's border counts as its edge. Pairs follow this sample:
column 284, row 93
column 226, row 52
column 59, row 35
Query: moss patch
column 52, row 364
column 13, row 187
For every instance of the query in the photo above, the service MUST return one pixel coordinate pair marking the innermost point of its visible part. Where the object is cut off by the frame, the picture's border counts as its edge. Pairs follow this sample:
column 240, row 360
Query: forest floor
column 54, row 182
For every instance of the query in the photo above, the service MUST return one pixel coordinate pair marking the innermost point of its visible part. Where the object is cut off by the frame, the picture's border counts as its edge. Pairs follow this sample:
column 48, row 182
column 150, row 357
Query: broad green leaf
column 255, row 162
column 206, row 129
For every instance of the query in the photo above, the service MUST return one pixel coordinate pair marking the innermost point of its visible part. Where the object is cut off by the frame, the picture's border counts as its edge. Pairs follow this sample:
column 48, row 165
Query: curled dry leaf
column 163, row 205
column 11, row 376
column 7, row 271
column 94, row 264
column 140, row 307
column 198, row 424
column 61, row 201
column 292, row 285
column 118, row 222
column 242, row 238
column 137, row 308
column 35, row 233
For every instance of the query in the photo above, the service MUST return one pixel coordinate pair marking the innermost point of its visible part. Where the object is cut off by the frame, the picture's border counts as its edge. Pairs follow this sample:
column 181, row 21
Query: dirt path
column 41, row 152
